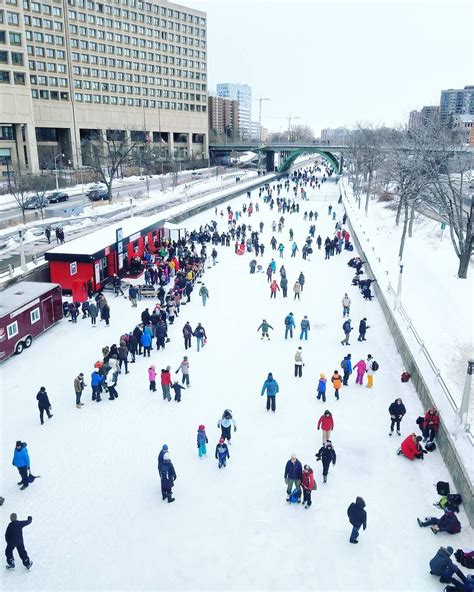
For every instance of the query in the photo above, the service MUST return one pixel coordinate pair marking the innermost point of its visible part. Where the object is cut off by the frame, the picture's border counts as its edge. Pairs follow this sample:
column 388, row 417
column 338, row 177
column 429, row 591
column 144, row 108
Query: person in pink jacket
column 361, row 367
column 152, row 378
column 326, row 423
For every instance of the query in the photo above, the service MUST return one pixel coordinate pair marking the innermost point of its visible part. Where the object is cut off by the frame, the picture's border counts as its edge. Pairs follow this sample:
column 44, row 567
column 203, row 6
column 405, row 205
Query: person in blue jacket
column 305, row 327
column 293, row 474
column 168, row 477
column 289, row 325
column 272, row 388
column 163, row 451
column 146, row 340
column 21, row 460
column 96, row 383
column 222, row 453
column 346, row 366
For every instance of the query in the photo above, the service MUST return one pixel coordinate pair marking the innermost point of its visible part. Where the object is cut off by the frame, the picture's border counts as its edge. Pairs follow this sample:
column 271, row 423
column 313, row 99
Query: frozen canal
column 98, row 519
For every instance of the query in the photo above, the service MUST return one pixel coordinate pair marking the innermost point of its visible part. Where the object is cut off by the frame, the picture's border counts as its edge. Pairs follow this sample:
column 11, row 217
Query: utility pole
column 291, row 117
column 260, row 101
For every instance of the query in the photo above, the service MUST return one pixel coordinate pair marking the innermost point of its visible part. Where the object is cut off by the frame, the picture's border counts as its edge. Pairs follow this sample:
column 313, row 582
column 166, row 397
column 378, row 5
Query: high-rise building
column 338, row 135
column 417, row 119
column 456, row 102
column 223, row 114
column 78, row 70
column 243, row 94
column 464, row 124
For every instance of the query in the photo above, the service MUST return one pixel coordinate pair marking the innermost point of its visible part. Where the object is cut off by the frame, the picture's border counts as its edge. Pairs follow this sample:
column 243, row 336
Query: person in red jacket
column 308, row 483
column 411, row 447
column 326, row 423
column 430, row 425
column 166, row 383
column 273, row 289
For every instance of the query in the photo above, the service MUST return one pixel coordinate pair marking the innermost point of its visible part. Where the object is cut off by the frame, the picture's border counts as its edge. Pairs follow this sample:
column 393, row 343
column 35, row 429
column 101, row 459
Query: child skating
column 202, row 441
column 222, row 453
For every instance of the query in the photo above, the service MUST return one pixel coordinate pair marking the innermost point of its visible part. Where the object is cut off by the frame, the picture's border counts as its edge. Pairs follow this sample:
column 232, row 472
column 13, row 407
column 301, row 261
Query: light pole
column 399, row 288
column 22, row 251
column 466, row 395
column 56, row 172
column 131, row 208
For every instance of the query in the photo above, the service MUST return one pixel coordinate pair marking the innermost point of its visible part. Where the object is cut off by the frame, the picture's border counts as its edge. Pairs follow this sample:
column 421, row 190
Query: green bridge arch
column 333, row 161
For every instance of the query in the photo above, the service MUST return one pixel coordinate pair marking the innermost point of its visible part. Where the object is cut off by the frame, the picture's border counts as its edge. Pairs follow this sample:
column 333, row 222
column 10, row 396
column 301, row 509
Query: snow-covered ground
column 98, row 519
column 437, row 301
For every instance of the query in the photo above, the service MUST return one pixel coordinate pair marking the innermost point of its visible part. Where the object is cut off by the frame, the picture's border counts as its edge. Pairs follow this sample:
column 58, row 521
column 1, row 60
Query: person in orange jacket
column 308, row 484
column 326, row 423
column 337, row 383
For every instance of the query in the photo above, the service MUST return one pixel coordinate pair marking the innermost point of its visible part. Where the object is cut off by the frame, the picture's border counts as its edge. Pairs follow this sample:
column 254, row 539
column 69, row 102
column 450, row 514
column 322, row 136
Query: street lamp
column 399, row 288
column 56, row 172
column 22, row 250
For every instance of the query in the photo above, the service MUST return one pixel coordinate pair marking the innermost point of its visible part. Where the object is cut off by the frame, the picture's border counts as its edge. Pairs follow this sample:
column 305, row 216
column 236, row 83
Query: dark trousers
column 326, row 468
column 153, row 385
column 299, row 370
column 96, row 393
column 21, row 552
column 126, row 365
column 355, row 533
column 185, row 379
column 322, row 396
column 430, row 522
column 93, row 320
column 361, row 337
column 271, row 403
column 226, row 432
column 306, row 496
column 297, row 295
column 395, row 422
column 24, row 475
column 187, row 342
column 78, row 398
column 146, row 351
column 113, row 394
column 42, row 410
column 345, row 378
column 429, row 433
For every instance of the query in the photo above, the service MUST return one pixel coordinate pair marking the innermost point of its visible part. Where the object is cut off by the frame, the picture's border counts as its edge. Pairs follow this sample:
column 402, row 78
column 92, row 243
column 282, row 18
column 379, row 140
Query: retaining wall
column 444, row 442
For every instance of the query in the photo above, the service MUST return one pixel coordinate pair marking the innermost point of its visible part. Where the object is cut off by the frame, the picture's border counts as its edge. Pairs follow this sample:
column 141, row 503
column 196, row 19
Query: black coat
column 43, row 401
column 14, row 531
column 167, row 474
column 398, row 410
column 356, row 513
column 362, row 326
column 327, row 455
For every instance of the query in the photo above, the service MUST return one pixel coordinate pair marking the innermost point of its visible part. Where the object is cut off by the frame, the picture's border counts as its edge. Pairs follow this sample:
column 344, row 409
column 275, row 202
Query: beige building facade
column 78, row 71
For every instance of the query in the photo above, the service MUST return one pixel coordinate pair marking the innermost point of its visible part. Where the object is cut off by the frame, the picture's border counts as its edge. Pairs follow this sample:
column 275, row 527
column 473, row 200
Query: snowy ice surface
column 98, row 519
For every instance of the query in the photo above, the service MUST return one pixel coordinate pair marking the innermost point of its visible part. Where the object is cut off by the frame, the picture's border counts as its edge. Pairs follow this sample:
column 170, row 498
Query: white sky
column 335, row 62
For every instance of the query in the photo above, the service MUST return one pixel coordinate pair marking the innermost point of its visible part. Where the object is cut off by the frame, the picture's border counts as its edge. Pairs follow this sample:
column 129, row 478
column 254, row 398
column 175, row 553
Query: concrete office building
column 79, row 70
column 338, row 135
column 417, row 119
column 223, row 114
column 456, row 102
column 243, row 94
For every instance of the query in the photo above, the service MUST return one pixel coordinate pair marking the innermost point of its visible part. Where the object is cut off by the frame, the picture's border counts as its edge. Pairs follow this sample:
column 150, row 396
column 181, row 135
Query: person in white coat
column 346, row 306
column 225, row 423
column 299, row 363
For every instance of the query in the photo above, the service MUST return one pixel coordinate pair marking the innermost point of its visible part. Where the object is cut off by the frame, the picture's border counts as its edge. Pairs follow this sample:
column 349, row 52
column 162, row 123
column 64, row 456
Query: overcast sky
column 337, row 62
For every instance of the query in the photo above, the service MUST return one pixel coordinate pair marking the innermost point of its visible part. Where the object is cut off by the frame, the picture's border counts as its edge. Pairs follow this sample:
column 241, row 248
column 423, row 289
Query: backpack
column 465, row 559
column 294, row 499
column 375, row 366
column 430, row 447
column 456, row 527
column 454, row 500
column 442, row 488
column 405, row 376
column 344, row 364
column 288, row 320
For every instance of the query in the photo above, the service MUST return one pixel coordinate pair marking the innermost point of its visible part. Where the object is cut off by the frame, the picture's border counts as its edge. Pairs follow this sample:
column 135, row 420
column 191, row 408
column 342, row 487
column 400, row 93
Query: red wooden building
column 27, row 309
column 100, row 254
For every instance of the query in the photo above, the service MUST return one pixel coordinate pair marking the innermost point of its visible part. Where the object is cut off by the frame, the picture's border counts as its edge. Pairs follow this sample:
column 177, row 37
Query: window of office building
column 4, row 77
column 15, row 38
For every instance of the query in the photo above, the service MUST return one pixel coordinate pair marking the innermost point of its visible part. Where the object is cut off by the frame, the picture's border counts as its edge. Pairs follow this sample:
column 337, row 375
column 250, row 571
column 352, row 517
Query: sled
column 294, row 499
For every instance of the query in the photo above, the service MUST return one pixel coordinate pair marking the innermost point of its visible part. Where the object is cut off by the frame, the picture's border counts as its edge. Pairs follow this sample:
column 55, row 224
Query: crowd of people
column 173, row 271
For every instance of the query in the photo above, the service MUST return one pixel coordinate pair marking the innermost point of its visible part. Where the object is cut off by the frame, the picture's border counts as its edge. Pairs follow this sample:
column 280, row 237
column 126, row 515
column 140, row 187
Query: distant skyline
column 335, row 63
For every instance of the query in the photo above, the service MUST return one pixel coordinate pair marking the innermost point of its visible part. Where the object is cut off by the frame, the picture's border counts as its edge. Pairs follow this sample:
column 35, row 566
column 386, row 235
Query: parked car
column 58, row 196
column 36, row 203
column 98, row 194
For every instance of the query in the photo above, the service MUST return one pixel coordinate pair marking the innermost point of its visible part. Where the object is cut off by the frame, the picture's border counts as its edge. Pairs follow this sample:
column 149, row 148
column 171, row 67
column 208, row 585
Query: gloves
column 318, row 429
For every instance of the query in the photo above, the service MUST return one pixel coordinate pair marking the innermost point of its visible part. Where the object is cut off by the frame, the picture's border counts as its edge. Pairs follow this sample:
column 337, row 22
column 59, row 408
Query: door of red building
column 111, row 264
column 47, row 312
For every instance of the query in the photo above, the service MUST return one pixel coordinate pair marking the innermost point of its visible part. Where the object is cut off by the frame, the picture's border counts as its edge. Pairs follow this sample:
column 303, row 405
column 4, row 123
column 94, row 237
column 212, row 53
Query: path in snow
column 98, row 519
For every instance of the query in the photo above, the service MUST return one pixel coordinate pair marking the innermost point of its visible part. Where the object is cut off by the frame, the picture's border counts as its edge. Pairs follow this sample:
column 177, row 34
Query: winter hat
column 293, row 455
column 18, row 443
column 185, row 358
column 165, row 446
column 166, row 456
column 221, row 440
column 369, row 357
column 450, row 550
column 14, row 517
column 201, row 427
column 42, row 389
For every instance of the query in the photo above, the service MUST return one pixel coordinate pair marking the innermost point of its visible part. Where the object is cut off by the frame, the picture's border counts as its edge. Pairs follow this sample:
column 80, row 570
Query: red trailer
column 27, row 309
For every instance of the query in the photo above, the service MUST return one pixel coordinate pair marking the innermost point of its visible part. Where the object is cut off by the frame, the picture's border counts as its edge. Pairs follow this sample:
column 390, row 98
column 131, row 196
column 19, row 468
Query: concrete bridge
column 288, row 152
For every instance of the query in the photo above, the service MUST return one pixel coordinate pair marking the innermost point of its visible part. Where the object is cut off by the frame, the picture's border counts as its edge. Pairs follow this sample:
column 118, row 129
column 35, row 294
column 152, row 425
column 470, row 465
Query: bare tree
column 40, row 185
column 20, row 187
column 107, row 157
column 301, row 133
column 448, row 167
